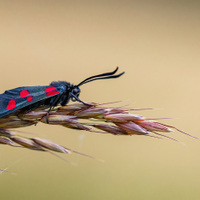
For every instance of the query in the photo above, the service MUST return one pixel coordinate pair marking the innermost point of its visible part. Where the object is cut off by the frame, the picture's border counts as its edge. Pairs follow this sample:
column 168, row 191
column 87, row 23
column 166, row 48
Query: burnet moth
column 57, row 93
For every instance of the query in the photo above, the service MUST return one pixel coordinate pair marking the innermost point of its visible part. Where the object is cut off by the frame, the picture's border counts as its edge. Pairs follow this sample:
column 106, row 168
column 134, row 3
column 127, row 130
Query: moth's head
column 75, row 92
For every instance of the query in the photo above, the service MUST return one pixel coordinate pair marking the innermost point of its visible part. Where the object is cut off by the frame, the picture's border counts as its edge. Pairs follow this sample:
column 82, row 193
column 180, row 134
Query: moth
column 57, row 93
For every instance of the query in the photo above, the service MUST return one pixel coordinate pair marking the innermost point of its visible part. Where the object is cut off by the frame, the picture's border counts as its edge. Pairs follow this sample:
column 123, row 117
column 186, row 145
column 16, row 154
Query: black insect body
column 57, row 93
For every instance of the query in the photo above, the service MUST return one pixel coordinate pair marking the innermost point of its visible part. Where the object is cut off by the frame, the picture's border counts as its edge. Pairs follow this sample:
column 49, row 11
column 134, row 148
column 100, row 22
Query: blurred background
column 157, row 44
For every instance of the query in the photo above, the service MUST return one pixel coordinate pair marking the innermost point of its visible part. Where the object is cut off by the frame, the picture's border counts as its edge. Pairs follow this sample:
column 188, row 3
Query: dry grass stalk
column 116, row 121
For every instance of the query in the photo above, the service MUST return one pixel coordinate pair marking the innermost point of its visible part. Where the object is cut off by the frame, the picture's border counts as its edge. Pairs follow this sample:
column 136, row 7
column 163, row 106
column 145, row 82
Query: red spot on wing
column 52, row 93
column 11, row 104
column 49, row 89
column 24, row 93
column 30, row 98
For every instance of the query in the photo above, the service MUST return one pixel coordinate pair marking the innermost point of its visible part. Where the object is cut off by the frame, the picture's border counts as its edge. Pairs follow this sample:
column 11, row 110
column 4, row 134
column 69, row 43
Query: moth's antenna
column 107, row 75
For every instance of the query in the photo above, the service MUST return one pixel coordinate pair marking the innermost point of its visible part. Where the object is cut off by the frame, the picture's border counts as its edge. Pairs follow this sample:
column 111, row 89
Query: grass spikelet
column 6, row 132
column 132, row 128
column 58, row 119
column 115, row 130
column 26, row 143
column 151, row 125
column 71, row 108
column 50, row 145
column 33, row 115
column 91, row 112
column 123, row 117
column 14, row 122
column 77, row 125
column 4, row 140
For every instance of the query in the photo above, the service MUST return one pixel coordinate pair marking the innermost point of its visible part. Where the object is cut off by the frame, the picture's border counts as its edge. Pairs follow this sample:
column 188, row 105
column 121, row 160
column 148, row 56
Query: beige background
column 157, row 44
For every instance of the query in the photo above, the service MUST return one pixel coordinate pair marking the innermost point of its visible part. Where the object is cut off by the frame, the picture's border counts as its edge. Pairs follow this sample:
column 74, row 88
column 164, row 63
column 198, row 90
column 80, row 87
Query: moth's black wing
column 18, row 98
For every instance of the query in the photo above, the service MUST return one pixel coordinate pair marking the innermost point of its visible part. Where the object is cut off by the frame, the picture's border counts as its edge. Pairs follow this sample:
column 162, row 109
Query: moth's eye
column 76, row 90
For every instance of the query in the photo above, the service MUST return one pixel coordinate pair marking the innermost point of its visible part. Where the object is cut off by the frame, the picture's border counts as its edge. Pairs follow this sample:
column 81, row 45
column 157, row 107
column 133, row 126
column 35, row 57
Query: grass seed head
column 113, row 120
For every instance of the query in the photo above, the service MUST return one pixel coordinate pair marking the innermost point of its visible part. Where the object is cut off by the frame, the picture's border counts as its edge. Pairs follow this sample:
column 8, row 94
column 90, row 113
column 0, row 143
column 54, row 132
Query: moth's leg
column 53, row 104
column 77, row 99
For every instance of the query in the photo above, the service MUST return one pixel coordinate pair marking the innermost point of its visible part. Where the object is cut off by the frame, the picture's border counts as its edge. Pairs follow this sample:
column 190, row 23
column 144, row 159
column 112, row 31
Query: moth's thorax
column 59, row 83
column 63, row 85
column 66, row 86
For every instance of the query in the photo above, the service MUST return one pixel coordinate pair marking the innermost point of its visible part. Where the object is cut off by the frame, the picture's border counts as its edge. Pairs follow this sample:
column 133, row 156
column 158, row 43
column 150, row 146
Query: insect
column 57, row 93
